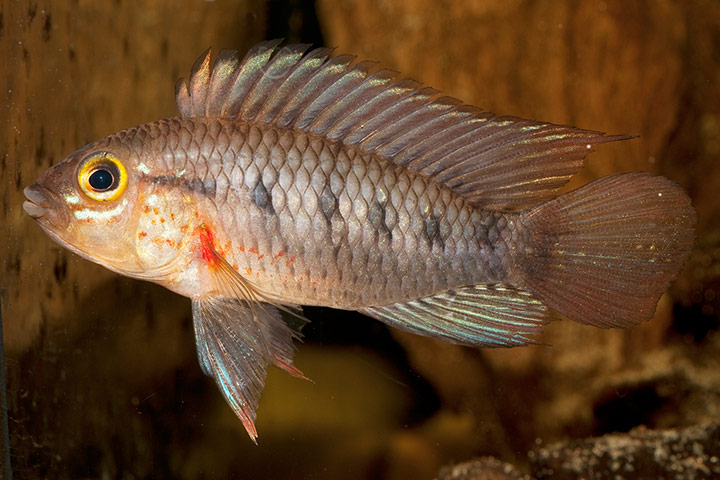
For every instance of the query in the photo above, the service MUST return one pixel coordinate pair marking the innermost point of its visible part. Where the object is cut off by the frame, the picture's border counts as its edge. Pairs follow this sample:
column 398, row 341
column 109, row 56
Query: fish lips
column 53, row 215
column 45, row 207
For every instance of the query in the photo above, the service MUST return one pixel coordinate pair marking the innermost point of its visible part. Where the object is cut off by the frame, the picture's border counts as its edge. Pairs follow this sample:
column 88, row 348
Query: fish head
column 86, row 203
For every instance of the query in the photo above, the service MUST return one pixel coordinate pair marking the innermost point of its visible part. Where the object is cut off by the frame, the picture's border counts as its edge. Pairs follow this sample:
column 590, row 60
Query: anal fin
column 479, row 315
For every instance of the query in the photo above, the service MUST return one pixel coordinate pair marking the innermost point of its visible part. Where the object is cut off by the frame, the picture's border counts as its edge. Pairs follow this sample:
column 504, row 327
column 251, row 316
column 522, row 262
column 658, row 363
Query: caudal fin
column 604, row 253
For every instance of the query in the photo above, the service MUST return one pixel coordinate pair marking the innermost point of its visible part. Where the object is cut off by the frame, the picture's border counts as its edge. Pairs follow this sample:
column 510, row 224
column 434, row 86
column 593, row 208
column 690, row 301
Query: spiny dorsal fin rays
column 199, row 80
column 373, row 95
column 280, row 88
column 336, row 92
column 319, row 81
column 493, row 162
column 250, row 69
column 223, row 76
column 349, row 98
column 394, row 121
column 257, row 105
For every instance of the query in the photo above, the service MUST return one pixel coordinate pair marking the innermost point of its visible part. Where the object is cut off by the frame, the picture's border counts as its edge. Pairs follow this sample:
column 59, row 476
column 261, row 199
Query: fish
column 296, row 176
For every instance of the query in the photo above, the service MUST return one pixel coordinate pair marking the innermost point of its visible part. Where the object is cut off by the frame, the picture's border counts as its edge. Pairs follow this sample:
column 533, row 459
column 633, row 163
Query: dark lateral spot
column 492, row 235
column 71, row 52
column 163, row 180
column 2, row 24
column 376, row 216
column 209, row 186
column 47, row 27
column 195, row 185
column 328, row 203
column 431, row 231
column 261, row 197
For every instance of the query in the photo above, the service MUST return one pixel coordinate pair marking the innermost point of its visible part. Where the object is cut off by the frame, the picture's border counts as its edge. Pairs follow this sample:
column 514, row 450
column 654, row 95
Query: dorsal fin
column 493, row 162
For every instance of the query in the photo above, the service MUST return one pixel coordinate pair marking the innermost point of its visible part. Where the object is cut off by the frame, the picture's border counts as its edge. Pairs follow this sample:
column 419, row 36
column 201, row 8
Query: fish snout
column 37, row 202
column 44, row 206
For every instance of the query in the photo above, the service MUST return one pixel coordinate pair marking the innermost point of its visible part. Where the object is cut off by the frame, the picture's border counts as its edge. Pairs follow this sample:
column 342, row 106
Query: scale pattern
column 312, row 221
column 296, row 177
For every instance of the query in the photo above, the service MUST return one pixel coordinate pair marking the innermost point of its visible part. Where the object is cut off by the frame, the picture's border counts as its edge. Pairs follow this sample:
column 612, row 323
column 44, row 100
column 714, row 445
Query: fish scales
column 265, row 187
column 292, row 177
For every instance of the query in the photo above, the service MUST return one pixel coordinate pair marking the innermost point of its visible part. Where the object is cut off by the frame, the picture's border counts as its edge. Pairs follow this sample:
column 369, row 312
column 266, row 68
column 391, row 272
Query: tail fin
column 604, row 253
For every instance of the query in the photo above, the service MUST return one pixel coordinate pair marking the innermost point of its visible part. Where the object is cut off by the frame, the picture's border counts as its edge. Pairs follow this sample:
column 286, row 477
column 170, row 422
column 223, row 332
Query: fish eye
column 101, row 176
column 101, row 179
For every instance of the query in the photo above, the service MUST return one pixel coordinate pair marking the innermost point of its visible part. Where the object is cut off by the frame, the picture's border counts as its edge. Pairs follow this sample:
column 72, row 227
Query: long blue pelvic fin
column 236, row 342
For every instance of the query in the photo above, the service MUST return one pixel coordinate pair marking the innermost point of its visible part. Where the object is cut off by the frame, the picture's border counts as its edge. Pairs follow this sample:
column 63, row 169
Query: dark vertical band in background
column 4, row 428
column 294, row 20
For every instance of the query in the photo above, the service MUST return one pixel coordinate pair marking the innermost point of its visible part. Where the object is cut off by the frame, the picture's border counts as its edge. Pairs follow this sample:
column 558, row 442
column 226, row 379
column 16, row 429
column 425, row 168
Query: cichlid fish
column 293, row 177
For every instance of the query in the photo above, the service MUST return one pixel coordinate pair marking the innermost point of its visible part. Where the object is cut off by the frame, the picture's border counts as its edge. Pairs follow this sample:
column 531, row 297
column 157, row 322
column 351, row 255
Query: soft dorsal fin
column 493, row 162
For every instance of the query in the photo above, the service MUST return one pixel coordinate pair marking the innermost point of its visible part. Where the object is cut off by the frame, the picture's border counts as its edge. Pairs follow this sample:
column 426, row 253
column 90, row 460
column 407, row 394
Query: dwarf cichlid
column 293, row 177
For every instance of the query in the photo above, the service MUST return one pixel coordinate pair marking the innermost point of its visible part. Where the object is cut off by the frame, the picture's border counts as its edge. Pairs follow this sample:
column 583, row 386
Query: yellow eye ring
column 102, row 177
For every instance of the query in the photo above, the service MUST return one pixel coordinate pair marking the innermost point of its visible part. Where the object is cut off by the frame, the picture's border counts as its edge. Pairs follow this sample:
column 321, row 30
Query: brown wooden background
column 102, row 375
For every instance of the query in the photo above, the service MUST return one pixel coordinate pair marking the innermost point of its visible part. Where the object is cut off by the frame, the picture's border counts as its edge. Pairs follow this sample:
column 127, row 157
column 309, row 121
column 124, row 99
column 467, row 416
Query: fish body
column 304, row 219
column 295, row 178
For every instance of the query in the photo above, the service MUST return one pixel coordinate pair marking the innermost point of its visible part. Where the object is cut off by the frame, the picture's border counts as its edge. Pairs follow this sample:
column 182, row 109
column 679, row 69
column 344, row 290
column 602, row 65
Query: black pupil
column 101, row 179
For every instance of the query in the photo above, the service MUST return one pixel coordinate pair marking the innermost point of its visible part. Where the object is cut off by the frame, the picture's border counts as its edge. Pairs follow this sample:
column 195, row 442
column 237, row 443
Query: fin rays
column 480, row 315
column 604, row 254
column 494, row 162
column 235, row 345
column 238, row 334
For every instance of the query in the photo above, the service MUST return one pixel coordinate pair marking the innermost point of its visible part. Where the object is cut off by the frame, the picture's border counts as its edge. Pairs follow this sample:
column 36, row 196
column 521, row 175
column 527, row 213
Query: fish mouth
column 37, row 203
column 45, row 207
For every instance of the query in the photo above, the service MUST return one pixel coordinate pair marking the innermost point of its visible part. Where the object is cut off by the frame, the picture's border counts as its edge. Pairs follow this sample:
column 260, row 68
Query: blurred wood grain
column 102, row 375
